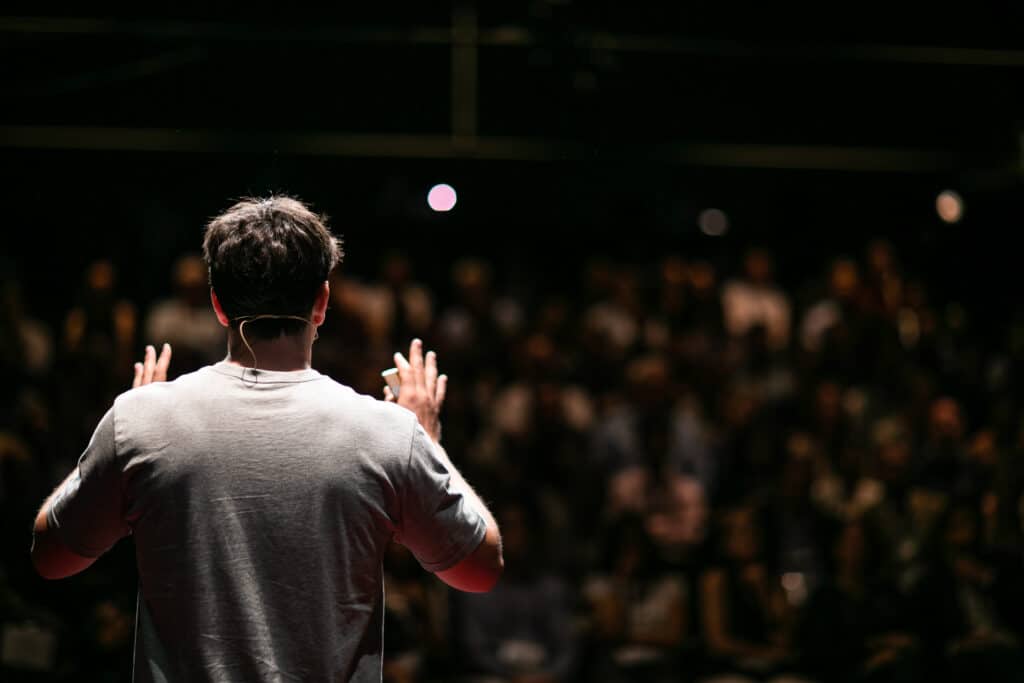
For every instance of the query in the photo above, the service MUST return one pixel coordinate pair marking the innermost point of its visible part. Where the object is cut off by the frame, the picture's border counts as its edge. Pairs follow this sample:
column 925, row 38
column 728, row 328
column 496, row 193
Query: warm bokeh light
column 950, row 206
column 442, row 197
column 713, row 222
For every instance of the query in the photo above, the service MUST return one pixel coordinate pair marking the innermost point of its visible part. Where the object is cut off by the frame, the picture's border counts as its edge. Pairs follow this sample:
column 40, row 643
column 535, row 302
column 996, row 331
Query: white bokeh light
column 442, row 197
column 713, row 222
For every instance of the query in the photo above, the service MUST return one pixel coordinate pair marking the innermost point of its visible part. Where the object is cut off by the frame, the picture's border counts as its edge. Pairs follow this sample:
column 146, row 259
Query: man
column 262, row 494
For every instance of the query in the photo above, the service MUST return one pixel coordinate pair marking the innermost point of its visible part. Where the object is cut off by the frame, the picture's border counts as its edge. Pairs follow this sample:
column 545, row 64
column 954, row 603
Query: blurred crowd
column 700, row 475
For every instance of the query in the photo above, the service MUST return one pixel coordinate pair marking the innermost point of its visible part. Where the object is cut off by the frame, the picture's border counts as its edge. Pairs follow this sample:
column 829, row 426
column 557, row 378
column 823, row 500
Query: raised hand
column 152, row 369
column 420, row 388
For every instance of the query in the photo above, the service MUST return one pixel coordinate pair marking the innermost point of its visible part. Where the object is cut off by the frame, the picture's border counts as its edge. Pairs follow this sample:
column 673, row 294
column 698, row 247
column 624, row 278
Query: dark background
column 591, row 127
column 571, row 130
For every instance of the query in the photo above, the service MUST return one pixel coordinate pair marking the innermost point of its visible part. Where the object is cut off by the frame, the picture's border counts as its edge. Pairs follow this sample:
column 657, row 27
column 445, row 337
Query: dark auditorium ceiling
column 579, row 125
column 861, row 86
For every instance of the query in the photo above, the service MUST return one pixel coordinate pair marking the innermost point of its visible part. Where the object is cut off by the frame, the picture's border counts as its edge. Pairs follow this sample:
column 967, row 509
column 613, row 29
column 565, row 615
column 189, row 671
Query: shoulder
column 143, row 398
column 153, row 411
column 344, row 398
column 374, row 421
column 158, row 394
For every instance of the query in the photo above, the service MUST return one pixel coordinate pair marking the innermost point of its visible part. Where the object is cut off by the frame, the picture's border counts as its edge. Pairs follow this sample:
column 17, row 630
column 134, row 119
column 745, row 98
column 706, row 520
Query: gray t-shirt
column 261, row 505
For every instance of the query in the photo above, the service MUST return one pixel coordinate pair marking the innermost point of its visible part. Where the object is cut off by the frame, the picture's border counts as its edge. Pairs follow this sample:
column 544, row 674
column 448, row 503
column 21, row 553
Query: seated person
column 522, row 631
column 743, row 610
column 638, row 611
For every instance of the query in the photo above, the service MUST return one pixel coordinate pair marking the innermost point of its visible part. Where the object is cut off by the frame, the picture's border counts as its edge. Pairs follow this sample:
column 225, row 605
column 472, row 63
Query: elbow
column 493, row 573
column 487, row 575
column 491, row 561
column 45, row 569
column 478, row 573
column 53, row 561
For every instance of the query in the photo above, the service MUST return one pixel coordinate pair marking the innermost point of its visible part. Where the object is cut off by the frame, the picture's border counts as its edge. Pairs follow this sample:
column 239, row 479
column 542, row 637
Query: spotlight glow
column 950, row 206
column 713, row 222
column 442, row 197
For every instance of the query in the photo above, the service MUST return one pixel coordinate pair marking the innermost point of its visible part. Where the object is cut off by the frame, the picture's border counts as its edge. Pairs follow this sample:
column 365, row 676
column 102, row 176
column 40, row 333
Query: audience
column 523, row 631
column 746, row 622
column 702, row 475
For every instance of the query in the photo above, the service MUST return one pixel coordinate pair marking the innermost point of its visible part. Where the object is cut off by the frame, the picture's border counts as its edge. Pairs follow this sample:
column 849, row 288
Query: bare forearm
column 422, row 390
column 51, row 558
column 478, row 572
column 41, row 523
column 460, row 484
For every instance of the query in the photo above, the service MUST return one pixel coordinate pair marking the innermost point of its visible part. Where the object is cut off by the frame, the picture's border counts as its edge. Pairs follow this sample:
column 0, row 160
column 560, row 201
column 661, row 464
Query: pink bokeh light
column 442, row 197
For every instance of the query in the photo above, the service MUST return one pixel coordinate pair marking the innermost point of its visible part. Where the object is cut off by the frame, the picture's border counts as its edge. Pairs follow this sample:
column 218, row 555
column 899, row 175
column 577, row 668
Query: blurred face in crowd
column 100, row 276
column 844, row 279
column 553, row 315
column 741, row 538
column 549, row 402
column 702, row 279
column 190, row 280
column 397, row 270
column 649, row 383
column 539, row 356
column 473, row 280
column 850, row 548
column 599, row 277
column 962, row 528
column 626, row 289
column 880, row 257
column 829, row 402
column 673, row 284
column 893, row 450
column 945, row 422
column 346, row 295
column 983, row 448
column 739, row 405
column 673, row 271
column 758, row 266
column 894, row 457
column 797, row 473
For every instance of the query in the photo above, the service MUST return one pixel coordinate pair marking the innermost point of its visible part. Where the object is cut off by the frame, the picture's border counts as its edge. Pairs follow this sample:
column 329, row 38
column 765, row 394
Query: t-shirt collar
column 262, row 376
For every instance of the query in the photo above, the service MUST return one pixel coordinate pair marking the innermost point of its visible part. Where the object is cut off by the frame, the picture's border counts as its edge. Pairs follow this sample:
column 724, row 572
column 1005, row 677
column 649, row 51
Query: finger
column 430, row 373
column 389, row 396
column 162, row 363
column 416, row 361
column 137, row 380
column 442, row 389
column 149, row 365
column 404, row 369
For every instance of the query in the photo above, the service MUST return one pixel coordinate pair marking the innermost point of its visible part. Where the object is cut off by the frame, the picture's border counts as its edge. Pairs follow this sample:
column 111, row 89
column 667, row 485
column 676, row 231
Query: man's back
column 262, row 500
column 261, row 504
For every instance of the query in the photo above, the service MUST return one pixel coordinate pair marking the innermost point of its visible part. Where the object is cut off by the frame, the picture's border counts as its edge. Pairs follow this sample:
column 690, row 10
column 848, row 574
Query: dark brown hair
column 269, row 257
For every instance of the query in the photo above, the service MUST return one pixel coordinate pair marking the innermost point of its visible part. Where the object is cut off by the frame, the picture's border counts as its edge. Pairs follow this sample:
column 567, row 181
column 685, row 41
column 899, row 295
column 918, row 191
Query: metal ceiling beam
column 511, row 36
column 464, row 78
column 230, row 32
column 163, row 62
column 443, row 147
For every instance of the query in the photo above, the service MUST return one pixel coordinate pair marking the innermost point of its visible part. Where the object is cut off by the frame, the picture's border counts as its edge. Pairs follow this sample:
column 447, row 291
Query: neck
column 283, row 354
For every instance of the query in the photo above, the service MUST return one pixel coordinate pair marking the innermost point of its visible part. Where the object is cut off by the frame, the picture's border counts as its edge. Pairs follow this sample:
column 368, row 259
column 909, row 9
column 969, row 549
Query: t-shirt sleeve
column 437, row 524
column 87, row 511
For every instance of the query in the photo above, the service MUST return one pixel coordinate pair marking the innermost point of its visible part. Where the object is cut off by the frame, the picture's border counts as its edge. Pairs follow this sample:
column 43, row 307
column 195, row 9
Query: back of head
column 269, row 257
